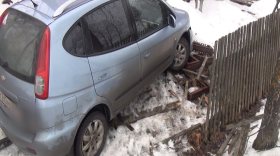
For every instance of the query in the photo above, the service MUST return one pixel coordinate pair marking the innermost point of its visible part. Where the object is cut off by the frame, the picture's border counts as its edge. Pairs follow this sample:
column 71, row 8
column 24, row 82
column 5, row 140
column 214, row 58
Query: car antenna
column 35, row 5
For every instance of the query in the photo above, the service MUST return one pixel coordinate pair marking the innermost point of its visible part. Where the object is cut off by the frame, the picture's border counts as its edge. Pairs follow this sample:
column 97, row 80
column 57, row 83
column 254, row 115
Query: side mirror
column 171, row 21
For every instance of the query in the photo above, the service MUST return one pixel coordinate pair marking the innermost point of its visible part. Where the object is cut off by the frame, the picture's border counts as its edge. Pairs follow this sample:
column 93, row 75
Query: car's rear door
column 155, row 38
column 114, row 56
column 20, row 36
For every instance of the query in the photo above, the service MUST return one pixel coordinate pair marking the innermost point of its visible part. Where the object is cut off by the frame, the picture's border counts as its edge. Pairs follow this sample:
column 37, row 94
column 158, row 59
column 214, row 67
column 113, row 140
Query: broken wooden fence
column 242, row 69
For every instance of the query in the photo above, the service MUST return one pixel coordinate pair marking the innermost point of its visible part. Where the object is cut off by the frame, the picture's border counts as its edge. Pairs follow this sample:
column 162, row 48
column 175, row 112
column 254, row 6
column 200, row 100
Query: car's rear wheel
column 181, row 55
column 92, row 135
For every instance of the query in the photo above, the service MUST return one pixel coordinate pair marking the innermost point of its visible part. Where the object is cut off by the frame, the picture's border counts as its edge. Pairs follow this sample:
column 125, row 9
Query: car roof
column 50, row 7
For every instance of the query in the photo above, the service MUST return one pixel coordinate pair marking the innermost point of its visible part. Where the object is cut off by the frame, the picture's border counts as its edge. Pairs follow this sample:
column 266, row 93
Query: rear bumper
column 57, row 140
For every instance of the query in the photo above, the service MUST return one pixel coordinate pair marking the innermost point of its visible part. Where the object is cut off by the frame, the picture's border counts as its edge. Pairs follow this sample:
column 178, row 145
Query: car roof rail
column 61, row 9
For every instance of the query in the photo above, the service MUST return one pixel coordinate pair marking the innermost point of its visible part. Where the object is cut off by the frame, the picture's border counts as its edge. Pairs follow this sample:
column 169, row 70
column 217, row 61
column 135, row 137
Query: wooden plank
column 262, row 58
column 254, row 64
column 244, row 122
column 271, row 52
column 187, row 71
column 223, row 101
column 223, row 78
column 258, row 58
column 259, row 51
column 219, row 73
column 202, row 68
column 228, row 74
column 248, row 67
column 240, row 84
column 181, row 133
column 243, row 64
column 242, row 141
column 233, row 91
column 240, row 63
column 148, row 113
column 265, row 52
column 226, row 83
column 217, row 84
column 225, row 143
column 268, row 50
column 230, row 80
column 211, row 94
column 275, row 50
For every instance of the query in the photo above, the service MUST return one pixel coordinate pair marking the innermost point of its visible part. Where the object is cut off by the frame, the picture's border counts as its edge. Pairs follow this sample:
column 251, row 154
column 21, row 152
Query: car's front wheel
column 92, row 135
column 181, row 55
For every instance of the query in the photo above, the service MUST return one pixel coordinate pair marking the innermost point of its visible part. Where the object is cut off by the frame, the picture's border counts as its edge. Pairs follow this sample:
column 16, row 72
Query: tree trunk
column 196, row 4
column 201, row 5
column 268, row 133
column 276, row 6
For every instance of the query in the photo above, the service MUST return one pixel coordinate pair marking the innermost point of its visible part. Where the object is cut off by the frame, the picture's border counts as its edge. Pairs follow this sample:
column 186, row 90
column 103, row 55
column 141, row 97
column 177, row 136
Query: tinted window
column 108, row 28
column 20, row 37
column 149, row 16
column 74, row 40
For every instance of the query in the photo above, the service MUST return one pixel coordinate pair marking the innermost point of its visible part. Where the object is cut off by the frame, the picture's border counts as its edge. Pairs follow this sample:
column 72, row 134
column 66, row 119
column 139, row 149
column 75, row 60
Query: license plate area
column 10, row 107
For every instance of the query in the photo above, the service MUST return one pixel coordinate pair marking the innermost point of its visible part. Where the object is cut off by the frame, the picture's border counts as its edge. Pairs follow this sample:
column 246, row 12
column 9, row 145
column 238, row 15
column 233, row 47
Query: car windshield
column 20, row 36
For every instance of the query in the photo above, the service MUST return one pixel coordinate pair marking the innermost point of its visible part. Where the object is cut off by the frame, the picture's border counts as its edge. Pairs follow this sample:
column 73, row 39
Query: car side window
column 74, row 40
column 108, row 28
column 149, row 16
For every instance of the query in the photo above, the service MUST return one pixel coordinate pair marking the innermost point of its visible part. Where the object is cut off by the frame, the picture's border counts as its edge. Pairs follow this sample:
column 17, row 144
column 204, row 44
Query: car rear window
column 20, row 37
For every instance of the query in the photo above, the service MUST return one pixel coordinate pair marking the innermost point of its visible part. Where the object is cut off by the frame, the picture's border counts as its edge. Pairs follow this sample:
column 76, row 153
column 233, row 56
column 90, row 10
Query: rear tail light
column 43, row 65
column 3, row 17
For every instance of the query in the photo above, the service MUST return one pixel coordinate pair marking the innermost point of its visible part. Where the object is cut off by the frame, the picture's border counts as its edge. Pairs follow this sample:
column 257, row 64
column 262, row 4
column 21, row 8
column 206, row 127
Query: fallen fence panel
column 242, row 69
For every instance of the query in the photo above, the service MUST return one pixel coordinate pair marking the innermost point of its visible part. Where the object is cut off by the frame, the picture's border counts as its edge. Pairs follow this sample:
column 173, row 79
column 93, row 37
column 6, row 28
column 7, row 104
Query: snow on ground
column 154, row 129
column 252, row 152
column 219, row 17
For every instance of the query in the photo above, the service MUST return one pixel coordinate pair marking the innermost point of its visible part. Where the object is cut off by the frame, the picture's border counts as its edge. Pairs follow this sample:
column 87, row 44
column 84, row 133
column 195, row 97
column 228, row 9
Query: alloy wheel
column 92, row 138
column 180, row 56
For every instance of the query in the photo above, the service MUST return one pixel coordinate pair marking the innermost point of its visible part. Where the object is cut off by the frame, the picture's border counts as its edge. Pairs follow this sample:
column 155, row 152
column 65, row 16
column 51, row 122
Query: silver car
column 70, row 66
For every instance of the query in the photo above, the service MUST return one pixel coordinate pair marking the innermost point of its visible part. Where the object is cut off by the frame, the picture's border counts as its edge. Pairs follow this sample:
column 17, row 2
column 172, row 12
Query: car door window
column 74, row 40
column 108, row 28
column 149, row 16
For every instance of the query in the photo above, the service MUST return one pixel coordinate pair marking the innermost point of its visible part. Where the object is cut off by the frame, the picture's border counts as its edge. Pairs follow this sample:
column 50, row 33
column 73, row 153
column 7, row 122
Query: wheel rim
column 92, row 138
column 180, row 56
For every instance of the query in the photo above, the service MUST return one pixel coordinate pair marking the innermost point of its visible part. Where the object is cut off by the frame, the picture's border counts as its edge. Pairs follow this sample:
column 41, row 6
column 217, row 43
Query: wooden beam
column 242, row 141
column 183, row 132
column 148, row 113
column 225, row 143
column 244, row 122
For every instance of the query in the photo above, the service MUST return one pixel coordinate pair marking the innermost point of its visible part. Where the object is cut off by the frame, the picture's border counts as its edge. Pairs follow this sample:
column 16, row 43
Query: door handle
column 147, row 55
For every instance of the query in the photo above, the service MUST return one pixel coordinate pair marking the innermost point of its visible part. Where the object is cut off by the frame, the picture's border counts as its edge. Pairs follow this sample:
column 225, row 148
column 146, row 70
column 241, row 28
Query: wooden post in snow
column 268, row 133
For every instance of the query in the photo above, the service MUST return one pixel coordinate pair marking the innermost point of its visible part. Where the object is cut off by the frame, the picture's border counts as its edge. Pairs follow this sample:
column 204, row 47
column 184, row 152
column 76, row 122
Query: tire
column 181, row 57
column 91, row 139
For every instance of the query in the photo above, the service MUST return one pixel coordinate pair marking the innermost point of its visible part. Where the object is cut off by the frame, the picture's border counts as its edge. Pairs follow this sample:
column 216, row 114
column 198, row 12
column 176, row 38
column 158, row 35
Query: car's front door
column 155, row 37
column 114, row 54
